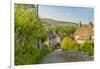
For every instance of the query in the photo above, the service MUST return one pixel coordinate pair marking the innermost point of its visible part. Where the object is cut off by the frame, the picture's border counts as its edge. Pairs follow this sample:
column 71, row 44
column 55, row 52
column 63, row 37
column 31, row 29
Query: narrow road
column 58, row 57
column 54, row 57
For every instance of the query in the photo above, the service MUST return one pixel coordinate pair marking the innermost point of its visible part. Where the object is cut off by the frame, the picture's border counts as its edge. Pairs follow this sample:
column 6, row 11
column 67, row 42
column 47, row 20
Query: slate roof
column 51, row 35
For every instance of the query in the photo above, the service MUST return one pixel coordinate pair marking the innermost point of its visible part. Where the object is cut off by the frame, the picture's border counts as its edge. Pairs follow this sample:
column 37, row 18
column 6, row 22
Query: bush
column 29, row 55
column 26, row 55
column 50, row 48
column 87, row 46
column 68, row 44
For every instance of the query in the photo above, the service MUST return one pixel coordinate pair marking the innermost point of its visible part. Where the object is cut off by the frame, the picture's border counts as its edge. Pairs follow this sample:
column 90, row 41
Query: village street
column 58, row 57
column 54, row 57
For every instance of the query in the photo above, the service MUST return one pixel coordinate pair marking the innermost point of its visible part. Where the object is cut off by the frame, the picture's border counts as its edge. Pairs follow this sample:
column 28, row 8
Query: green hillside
column 50, row 22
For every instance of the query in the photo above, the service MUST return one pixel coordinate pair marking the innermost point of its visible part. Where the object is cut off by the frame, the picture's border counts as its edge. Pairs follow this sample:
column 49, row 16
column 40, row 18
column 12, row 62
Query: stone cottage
column 84, row 32
column 53, row 39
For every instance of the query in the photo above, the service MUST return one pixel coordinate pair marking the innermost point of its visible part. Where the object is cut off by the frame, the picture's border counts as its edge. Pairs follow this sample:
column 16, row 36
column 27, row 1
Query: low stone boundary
column 70, row 56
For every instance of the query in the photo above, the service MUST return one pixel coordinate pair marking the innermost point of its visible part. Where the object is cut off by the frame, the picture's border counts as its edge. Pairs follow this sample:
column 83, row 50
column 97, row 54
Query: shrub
column 29, row 55
column 26, row 55
column 50, row 48
column 68, row 44
column 87, row 46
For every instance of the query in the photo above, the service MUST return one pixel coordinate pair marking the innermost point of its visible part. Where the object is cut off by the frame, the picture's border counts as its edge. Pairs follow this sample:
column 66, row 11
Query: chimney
column 90, row 24
column 80, row 24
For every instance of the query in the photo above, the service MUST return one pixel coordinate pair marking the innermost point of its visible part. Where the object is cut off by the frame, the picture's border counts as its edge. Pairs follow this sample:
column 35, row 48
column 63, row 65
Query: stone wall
column 76, row 56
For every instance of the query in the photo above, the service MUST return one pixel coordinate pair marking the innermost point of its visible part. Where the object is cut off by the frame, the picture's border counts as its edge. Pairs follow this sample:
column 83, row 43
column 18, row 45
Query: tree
column 69, row 30
column 27, row 26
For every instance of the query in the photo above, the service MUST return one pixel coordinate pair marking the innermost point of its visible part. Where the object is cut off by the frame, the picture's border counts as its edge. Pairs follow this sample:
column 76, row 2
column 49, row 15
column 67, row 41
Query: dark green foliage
column 26, row 55
column 28, row 28
column 88, row 46
column 54, row 28
column 68, row 30
column 29, row 55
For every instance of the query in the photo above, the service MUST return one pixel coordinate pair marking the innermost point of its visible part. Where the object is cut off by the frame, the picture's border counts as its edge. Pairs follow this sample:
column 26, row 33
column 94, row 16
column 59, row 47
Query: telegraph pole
column 38, row 38
column 37, row 11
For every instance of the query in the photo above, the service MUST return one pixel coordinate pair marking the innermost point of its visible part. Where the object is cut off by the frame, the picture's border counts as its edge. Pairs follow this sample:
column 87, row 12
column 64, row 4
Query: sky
column 65, row 13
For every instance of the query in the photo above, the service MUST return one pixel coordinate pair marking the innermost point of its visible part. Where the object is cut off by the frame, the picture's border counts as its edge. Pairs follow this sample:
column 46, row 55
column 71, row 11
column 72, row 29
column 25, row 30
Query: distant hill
column 48, row 21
